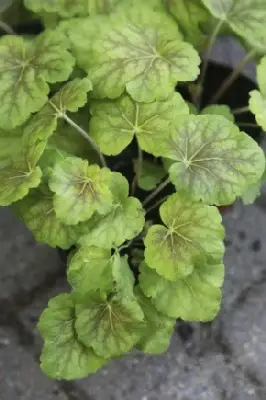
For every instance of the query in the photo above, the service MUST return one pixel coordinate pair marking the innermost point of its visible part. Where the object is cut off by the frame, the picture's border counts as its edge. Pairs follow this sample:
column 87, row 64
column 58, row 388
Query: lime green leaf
column 157, row 335
column 25, row 68
column 10, row 145
column 110, row 326
column 124, row 221
column 257, row 101
column 194, row 298
column 70, row 97
column 257, row 105
column 17, row 178
column 219, row 110
column 245, row 17
column 190, row 15
column 214, row 161
column 37, row 212
column 151, row 175
column 191, row 229
column 123, row 278
column 80, row 190
column 69, row 8
column 114, row 123
column 192, row 109
column 254, row 190
column 89, row 269
column 63, row 355
column 146, row 61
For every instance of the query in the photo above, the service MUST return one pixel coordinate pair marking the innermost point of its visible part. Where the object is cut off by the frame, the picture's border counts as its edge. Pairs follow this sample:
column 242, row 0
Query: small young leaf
column 194, row 298
column 115, row 122
column 191, row 229
column 63, row 355
column 25, row 68
column 37, row 212
column 124, row 221
column 89, row 269
column 80, row 190
column 157, row 335
column 219, row 109
column 214, row 161
column 110, row 326
column 146, row 61
column 151, row 175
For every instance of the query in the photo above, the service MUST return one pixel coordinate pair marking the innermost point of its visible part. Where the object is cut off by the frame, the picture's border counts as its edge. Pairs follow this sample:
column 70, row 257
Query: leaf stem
column 248, row 125
column 7, row 28
column 156, row 192
column 212, row 40
column 241, row 110
column 138, row 171
column 156, row 204
column 81, row 131
column 232, row 77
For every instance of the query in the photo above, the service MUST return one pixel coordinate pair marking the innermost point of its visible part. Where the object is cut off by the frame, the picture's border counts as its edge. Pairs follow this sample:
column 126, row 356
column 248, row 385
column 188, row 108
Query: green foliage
column 100, row 155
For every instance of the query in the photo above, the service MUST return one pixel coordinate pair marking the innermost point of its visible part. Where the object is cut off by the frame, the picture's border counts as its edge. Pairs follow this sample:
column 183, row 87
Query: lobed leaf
column 80, row 190
column 114, row 123
column 196, row 297
column 111, row 326
column 124, row 221
column 63, row 355
column 214, row 161
column 192, row 229
column 26, row 66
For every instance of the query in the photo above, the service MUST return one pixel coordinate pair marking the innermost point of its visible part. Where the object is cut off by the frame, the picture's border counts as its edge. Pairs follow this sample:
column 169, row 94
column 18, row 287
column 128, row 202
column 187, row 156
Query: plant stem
column 155, row 192
column 241, row 110
column 232, row 77
column 156, row 204
column 206, row 62
column 87, row 137
column 81, row 131
column 248, row 125
column 6, row 28
column 138, row 171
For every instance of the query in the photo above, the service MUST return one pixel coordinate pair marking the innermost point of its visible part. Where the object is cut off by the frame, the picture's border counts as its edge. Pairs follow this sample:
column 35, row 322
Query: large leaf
column 37, row 212
column 146, row 61
column 245, row 17
column 157, row 335
column 114, row 123
column 63, row 355
column 109, row 325
column 70, row 8
column 194, row 298
column 124, row 221
column 191, row 229
column 71, row 97
column 80, row 190
column 257, row 101
column 25, row 68
column 214, row 161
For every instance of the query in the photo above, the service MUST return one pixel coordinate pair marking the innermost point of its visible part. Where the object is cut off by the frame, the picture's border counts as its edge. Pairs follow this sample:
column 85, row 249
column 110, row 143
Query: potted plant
column 114, row 148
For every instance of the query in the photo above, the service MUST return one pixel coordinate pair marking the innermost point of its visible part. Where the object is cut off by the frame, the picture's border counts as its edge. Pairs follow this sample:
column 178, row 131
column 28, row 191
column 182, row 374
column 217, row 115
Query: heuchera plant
column 91, row 119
